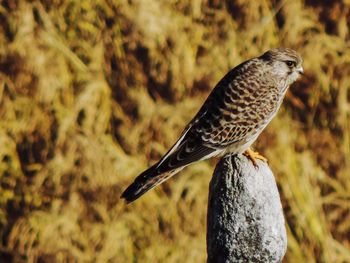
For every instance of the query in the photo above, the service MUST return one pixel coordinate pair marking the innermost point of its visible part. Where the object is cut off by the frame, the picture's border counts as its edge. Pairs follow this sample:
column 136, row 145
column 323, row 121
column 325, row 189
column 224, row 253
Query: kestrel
column 235, row 113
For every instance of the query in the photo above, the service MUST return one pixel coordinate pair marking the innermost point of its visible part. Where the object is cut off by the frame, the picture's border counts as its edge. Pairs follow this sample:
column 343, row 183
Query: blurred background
column 93, row 92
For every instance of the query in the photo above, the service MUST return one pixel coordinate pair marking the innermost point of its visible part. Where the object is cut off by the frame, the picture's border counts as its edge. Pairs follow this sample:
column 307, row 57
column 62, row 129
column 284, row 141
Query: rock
column 245, row 217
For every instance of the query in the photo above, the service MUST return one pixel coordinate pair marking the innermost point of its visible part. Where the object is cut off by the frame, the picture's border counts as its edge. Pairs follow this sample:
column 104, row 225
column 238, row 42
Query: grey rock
column 245, row 217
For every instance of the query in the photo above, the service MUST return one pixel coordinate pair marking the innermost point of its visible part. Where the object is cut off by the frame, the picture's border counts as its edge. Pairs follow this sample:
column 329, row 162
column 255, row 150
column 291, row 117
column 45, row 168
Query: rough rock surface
column 245, row 217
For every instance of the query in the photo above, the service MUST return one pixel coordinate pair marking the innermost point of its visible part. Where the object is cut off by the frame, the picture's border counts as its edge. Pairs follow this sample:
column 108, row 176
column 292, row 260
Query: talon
column 251, row 155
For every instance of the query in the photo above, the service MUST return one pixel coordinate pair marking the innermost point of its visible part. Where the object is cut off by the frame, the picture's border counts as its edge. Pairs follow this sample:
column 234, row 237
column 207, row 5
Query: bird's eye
column 291, row 63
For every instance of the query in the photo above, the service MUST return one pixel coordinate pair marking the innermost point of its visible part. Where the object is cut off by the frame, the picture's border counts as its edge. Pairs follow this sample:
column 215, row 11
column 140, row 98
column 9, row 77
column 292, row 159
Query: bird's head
column 285, row 63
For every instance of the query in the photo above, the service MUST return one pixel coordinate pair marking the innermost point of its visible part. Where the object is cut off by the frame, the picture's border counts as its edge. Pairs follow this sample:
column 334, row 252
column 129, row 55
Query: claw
column 251, row 155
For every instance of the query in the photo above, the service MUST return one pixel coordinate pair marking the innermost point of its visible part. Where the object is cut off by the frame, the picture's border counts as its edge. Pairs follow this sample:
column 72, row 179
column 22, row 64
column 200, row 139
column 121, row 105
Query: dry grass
column 91, row 92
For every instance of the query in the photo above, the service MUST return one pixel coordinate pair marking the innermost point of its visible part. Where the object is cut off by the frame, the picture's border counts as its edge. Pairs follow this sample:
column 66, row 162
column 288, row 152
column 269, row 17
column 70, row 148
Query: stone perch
column 245, row 217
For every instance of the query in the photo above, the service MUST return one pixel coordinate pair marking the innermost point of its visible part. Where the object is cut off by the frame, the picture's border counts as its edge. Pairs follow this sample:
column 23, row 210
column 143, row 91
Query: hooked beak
column 300, row 70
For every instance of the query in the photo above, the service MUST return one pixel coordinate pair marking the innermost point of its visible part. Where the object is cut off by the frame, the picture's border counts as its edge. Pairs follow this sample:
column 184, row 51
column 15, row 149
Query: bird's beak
column 300, row 70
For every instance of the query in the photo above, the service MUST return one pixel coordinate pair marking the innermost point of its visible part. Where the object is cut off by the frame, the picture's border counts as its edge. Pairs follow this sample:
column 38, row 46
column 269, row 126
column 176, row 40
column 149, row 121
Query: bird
column 237, row 110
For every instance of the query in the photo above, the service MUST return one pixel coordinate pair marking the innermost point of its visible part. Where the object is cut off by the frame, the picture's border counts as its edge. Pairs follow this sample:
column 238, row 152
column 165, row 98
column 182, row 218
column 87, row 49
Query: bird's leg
column 253, row 156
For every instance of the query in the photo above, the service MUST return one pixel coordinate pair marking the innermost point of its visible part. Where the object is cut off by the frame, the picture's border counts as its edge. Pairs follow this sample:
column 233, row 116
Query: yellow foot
column 251, row 155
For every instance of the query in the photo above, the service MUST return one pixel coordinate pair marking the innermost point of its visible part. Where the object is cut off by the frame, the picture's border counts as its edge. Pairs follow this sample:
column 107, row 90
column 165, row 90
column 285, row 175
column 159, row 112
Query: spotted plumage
column 232, row 117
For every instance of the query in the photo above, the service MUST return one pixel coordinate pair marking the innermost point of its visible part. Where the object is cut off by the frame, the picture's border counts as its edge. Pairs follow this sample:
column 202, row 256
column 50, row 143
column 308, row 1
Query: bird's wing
column 219, row 122
column 237, row 108
column 189, row 150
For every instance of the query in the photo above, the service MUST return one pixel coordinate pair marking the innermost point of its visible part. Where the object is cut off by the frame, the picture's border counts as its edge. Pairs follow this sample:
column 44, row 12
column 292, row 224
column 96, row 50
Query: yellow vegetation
column 93, row 92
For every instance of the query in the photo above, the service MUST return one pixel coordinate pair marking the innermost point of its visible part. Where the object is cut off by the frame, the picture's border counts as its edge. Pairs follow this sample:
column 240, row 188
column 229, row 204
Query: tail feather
column 145, row 182
column 183, row 153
